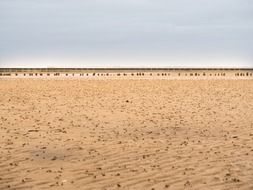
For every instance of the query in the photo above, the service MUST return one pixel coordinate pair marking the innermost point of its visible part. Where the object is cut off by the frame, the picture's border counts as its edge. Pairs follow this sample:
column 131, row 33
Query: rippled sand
column 126, row 134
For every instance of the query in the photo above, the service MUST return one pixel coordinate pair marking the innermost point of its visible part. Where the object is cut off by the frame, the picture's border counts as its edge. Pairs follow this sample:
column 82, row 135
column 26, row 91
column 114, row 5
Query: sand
column 126, row 134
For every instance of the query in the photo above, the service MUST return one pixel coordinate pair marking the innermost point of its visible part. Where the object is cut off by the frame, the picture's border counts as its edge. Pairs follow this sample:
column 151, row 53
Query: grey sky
column 93, row 33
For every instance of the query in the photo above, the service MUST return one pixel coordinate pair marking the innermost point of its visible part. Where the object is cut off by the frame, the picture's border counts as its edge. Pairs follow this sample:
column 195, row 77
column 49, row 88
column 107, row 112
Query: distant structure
column 140, row 73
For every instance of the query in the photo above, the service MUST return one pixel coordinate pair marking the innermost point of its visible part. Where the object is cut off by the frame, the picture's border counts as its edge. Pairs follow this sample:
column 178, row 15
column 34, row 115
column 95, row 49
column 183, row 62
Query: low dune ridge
column 126, row 134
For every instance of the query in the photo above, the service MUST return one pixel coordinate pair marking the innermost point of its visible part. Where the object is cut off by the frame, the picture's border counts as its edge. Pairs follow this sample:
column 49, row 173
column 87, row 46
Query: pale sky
column 126, row 33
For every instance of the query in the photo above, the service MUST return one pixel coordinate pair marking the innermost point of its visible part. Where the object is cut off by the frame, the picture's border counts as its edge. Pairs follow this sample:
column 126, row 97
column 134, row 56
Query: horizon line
column 124, row 68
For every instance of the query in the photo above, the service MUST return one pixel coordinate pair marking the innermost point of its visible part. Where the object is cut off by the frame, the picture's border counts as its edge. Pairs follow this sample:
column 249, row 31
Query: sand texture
column 126, row 134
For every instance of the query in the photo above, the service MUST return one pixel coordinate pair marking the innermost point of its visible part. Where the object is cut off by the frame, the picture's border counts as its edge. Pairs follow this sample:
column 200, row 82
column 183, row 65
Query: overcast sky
column 126, row 33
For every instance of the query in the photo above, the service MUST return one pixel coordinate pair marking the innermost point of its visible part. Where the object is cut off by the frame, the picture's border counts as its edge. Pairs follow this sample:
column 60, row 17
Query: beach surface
column 126, row 134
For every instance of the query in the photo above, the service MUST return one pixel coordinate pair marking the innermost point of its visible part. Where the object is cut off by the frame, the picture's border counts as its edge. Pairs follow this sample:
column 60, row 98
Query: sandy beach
column 126, row 134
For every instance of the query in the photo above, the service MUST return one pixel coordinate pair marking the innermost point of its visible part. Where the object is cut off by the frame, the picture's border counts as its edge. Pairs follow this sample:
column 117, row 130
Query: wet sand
column 126, row 134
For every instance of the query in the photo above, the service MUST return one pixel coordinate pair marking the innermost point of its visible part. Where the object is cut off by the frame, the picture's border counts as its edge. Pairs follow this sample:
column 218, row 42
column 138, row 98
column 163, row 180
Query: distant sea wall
column 135, row 73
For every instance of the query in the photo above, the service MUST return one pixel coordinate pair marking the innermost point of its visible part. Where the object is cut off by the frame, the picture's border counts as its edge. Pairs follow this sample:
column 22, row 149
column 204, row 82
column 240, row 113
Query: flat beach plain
column 126, row 134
